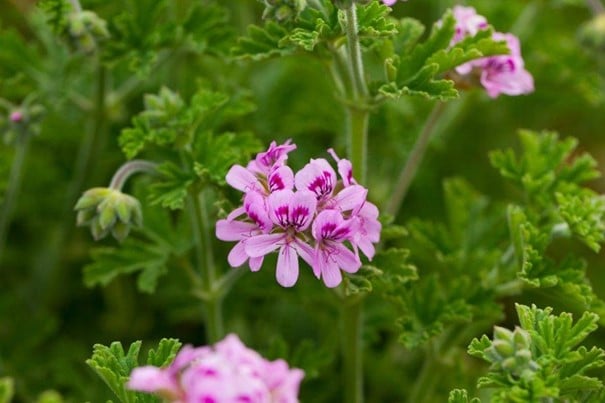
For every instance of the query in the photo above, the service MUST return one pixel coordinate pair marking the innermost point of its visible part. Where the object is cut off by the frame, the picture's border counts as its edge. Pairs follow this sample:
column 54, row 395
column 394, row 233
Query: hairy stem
column 357, row 134
column 207, row 268
column 76, row 5
column 14, row 184
column 414, row 159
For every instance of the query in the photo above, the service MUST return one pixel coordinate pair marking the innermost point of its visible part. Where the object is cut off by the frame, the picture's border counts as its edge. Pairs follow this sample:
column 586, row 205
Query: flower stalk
column 414, row 160
column 357, row 134
column 206, row 266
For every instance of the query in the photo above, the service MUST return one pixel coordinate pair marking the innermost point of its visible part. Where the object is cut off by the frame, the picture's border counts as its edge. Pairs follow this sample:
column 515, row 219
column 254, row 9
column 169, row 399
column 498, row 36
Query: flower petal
column 256, row 263
column 345, row 259
column 234, row 230
column 260, row 245
column 237, row 256
column 317, row 176
column 241, row 178
column 281, row 178
column 351, row 197
column 287, row 266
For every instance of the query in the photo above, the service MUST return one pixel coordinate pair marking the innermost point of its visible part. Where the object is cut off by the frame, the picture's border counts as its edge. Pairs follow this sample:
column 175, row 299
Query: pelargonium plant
column 310, row 214
column 377, row 295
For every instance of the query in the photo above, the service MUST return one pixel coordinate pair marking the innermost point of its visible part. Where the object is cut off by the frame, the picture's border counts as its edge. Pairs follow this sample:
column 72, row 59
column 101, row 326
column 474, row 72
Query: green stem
column 357, row 144
column 352, row 325
column 360, row 88
column 205, row 261
column 426, row 380
column 14, row 184
column 414, row 159
column 128, row 169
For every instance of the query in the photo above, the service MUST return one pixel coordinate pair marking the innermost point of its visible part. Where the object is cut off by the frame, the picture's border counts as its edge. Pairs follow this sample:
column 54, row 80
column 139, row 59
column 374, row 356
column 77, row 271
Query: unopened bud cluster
column 108, row 210
column 87, row 29
column 283, row 10
column 511, row 351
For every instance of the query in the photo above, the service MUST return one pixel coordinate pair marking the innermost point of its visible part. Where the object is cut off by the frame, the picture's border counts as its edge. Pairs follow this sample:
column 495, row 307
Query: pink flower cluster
column 310, row 214
column 504, row 74
column 228, row 372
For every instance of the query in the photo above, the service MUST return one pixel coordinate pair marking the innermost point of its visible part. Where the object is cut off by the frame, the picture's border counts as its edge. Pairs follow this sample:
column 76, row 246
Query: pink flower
column 330, row 230
column 311, row 222
column 506, row 74
column 502, row 74
column 228, row 372
column 292, row 213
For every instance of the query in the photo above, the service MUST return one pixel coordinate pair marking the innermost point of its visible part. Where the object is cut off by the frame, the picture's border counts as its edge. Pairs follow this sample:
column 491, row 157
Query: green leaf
column 216, row 154
column 172, row 188
column 169, row 120
column 114, row 366
column 583, row 212
column 149, row 255
column 428, row 309
column 461, row 396
column 57, row 13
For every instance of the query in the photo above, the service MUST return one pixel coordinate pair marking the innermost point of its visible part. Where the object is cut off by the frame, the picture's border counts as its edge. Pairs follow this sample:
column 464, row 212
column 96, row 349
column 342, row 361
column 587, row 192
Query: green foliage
column 420, row 70
column 57, row 13
column 461, row 396
column 114, row 366
column 150, row 254
column 557, row 206
column 542, row 359
column 460, row 265
column 316, row 30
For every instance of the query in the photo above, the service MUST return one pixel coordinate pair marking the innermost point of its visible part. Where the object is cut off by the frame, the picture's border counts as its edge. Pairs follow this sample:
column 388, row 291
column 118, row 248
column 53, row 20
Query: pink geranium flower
column 502, row 74
column 309, row 214
column 292, row 213
column 227, row 372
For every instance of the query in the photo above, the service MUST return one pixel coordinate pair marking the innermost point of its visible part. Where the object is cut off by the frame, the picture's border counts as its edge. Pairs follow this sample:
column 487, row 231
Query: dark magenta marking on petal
column 300, row 214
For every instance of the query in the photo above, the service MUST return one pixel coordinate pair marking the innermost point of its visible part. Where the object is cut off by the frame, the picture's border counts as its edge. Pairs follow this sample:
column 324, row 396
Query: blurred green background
column 49, row 320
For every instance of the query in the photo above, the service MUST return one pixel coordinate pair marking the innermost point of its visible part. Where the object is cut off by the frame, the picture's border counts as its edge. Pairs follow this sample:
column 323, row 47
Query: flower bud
column 108, row 210
column 283, row 10
column 87, row 29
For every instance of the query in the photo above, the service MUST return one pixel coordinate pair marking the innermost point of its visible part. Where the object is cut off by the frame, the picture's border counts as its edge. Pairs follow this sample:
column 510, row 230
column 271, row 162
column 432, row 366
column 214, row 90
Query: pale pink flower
column 506, row 74
column 502, row 74
column 330, row 231
column 228, row 372
column 275, row 217
column 292, row 213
